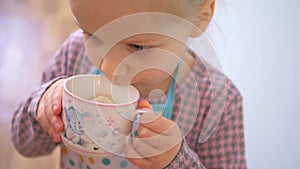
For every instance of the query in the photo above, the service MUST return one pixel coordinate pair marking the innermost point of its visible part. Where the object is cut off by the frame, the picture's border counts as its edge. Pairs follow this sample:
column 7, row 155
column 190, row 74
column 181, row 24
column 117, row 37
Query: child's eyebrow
column 154, row 38
column 146, row 39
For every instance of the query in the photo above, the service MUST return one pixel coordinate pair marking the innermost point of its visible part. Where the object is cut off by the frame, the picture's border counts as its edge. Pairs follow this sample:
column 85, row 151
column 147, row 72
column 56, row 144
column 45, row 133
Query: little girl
column 142, row 43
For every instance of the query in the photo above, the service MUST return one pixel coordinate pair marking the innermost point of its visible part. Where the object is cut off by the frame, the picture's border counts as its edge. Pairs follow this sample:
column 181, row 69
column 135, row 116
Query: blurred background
column 262, row 56
column 30, row 33
column 257, row 42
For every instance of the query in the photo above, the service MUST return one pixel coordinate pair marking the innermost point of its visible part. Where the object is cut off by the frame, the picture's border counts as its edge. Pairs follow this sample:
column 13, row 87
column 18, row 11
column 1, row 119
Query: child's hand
column 49, row 110
column 157, row 143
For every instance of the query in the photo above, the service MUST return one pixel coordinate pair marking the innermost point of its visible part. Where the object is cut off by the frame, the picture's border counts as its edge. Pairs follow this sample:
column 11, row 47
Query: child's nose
column 114, row 68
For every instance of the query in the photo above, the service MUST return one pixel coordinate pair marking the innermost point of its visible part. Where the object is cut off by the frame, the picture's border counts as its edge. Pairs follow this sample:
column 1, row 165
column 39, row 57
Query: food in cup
column 103, row 99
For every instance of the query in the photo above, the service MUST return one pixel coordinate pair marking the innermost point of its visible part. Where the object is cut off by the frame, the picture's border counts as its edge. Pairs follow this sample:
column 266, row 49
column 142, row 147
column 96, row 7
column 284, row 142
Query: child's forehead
column 143, row 26
column 101, row 12
column 133, row 5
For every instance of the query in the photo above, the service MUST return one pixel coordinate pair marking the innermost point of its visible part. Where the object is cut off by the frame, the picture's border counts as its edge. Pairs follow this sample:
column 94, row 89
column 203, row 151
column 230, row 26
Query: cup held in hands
column 97, row 115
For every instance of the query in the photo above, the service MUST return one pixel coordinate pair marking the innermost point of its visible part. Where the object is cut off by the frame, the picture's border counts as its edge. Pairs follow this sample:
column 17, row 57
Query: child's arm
column 225, row 148
column 28, row 136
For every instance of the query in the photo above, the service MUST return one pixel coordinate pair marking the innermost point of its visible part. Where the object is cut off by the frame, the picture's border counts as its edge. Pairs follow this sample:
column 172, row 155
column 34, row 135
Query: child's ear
column 203, row 18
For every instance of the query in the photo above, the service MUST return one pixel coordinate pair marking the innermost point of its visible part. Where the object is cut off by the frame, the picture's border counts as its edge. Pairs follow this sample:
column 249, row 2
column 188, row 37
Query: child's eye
column 138, row 47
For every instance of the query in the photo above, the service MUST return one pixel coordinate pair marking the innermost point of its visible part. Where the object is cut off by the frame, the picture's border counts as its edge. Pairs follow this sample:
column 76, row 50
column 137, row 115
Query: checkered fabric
column 207, row 108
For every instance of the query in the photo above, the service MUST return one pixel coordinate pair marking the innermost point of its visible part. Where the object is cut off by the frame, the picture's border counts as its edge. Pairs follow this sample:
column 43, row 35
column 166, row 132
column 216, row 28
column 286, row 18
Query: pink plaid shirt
column 207, row 108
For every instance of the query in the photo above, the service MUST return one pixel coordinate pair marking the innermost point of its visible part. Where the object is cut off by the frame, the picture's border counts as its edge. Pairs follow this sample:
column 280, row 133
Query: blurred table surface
column 31, row 32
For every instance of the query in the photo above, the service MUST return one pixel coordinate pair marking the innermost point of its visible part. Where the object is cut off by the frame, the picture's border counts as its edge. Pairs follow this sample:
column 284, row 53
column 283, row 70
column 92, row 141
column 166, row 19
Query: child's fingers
column 57, row 123
column 54, row 135
column 144, row 104
column 161, row 142
column 56, row 97
column 49, row 111
column 53, row 125
column 145, row 149
column 53, row 118
column 44, row 120
column 144, row 132
column 156, row 123
column 135, row 158
column 145, row 156
column 48, row 122
column 57, row 105
column 131, row 152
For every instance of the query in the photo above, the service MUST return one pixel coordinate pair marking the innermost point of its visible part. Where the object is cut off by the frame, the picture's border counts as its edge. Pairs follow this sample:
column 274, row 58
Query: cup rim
column 98, row 103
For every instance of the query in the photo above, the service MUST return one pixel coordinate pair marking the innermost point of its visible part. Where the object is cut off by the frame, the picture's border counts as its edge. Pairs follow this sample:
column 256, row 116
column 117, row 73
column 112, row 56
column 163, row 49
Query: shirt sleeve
column 186, row 158
column 225, row 148
column 28, row 136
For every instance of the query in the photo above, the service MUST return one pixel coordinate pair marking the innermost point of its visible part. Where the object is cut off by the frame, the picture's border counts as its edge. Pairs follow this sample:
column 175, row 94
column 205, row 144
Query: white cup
column 95, row 128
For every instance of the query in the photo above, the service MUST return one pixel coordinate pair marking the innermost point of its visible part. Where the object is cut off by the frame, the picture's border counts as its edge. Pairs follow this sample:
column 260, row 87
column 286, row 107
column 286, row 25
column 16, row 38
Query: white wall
column 261, row 55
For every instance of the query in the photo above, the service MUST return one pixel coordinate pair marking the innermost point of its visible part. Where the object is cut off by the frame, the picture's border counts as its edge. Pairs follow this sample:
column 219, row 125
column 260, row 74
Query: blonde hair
column 187, row 9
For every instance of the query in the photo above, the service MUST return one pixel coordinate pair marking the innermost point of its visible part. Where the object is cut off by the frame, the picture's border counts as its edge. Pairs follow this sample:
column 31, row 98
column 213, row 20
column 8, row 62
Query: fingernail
column 56, row 127
column 54, row 108
column 56, row 137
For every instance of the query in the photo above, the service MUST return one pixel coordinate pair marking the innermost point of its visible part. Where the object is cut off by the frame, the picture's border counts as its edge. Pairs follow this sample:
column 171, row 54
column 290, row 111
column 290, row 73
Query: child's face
column 122, row 61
